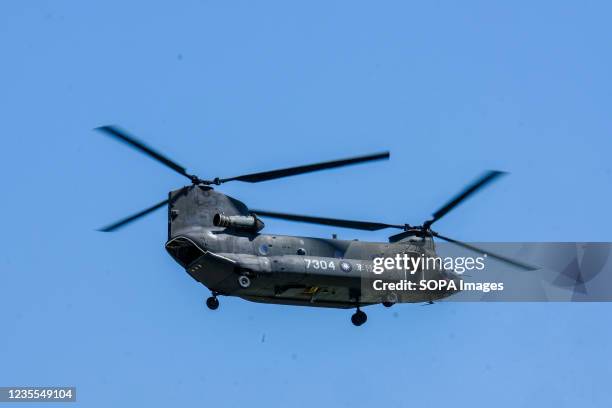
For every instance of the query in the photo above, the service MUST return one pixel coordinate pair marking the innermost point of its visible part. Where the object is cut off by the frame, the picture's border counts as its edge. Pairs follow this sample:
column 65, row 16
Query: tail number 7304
column 319, row 264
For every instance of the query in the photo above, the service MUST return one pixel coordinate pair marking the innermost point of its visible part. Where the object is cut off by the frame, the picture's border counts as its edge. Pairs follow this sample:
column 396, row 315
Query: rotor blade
column 487, row 178
column 362, row 225
column 138, row 145
column 125, row 221
column 292, row 171
column 482, row 251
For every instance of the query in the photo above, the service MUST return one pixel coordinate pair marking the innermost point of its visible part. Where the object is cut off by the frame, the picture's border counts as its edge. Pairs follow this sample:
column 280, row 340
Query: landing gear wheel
column 244, row 281
column 388, row 304
column 359, row 318
column 212, row 303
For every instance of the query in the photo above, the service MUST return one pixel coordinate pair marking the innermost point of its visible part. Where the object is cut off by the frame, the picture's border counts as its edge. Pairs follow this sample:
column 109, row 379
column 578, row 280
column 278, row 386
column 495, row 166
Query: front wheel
column 212, row 303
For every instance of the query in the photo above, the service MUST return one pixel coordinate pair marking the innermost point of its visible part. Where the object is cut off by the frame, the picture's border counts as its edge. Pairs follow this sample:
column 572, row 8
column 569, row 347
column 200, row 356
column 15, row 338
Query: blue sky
column 232, row 87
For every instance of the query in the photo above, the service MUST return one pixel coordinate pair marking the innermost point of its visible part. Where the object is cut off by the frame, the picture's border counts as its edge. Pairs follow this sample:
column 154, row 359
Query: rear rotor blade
column 501, row 258
column 487, row 178
column 125, row 221
column 122, row 136
column 293, row 171
column 362, row 225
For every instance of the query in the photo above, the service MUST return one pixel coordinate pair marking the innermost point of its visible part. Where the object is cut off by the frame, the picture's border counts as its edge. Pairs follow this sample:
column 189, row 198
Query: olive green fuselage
column 281, row 269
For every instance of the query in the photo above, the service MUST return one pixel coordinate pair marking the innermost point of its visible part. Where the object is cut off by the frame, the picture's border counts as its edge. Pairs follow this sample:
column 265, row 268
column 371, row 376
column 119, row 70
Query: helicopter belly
column 292, row 280
column 286, row 279
column 297, row 300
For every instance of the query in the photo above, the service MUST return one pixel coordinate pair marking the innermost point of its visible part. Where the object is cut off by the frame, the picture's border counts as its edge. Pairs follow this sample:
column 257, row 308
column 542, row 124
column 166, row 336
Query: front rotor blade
column 362, row 225
column 293, row 171
column 125, row 221
column 501, row 258
column 487, row 178
column 138, row 145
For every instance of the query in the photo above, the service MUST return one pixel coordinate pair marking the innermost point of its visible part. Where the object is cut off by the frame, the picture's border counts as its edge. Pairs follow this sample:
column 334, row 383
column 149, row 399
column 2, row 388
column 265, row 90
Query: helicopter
column 218, row 240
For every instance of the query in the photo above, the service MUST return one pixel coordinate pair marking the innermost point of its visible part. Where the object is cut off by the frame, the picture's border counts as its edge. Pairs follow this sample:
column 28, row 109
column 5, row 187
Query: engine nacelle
column 239, row 222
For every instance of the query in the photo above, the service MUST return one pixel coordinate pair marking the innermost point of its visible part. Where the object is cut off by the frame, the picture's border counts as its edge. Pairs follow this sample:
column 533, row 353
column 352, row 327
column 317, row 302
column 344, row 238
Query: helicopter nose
column 184, row 250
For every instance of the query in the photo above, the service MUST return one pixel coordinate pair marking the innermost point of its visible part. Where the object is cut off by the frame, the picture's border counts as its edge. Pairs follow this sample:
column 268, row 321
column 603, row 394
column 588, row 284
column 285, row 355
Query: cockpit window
column 184, row 250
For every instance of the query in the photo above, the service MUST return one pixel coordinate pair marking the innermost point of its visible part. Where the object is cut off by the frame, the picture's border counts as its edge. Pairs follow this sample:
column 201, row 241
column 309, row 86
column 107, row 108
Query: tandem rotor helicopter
column 218, row 240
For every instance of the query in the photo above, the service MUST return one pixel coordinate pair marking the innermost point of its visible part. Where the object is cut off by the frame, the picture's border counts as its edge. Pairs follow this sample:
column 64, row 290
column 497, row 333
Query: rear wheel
column 359, row 318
